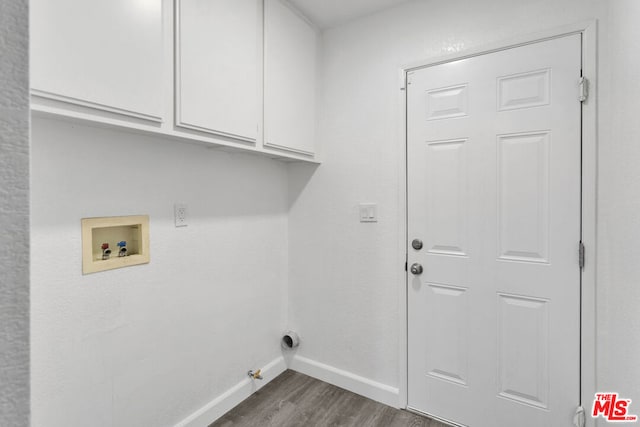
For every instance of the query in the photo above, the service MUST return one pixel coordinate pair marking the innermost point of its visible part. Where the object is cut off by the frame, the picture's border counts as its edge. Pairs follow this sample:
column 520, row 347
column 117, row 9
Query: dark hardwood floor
column 296, row 400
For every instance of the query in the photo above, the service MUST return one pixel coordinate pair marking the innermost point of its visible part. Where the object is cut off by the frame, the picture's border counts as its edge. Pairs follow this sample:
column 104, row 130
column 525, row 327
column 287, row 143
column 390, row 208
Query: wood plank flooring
column 297, row 400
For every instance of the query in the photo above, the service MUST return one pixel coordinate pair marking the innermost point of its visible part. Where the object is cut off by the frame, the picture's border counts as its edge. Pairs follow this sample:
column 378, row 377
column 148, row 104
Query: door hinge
column 581, row 251
column 579, row 418
column 583, row 85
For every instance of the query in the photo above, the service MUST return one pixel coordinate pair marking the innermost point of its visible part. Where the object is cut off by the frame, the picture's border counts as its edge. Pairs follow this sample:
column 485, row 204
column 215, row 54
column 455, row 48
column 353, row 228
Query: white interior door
column 494, row 152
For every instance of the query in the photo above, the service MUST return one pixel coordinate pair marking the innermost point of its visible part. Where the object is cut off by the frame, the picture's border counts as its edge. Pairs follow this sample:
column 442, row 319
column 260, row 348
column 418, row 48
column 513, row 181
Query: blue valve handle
column 122, row 244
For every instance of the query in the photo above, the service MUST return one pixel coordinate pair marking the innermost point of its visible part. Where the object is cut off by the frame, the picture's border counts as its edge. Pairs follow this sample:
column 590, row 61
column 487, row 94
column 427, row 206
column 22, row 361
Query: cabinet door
column 290, row 80
column 217, row 66
column 106, row 55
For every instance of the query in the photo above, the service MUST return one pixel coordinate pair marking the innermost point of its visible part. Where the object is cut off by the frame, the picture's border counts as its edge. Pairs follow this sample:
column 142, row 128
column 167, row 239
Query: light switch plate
column 368, row 212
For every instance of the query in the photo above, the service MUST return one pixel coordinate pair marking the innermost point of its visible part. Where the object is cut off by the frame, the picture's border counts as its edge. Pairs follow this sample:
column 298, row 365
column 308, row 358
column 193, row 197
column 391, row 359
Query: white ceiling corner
column 330, row 13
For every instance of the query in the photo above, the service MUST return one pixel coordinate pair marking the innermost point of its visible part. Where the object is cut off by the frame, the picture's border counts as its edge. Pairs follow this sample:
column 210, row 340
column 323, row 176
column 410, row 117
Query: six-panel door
column 494, row 193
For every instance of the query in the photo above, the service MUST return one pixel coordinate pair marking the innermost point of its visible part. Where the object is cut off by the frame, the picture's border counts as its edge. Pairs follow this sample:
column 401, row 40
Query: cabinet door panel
column 290, row 80
column 105, row 55
column 217, row 66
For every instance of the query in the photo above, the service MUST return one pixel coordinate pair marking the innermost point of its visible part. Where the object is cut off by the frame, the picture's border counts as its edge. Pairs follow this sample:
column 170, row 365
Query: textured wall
column 354, row 270
column 148, row 345
column 14, row 214
column 151, row 344
column 619, row 203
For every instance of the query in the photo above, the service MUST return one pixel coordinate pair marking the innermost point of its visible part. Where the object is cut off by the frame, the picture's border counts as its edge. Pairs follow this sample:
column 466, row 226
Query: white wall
column 148, row 345
column 618, row 207
column 14, row 214
column 344, row 276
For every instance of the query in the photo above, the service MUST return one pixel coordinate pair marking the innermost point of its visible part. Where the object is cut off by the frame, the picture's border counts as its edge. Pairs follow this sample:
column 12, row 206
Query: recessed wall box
column 130, row 232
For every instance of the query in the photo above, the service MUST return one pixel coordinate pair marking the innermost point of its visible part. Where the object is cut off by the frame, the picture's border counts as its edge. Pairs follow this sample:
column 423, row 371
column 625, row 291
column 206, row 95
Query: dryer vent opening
column 290, row 340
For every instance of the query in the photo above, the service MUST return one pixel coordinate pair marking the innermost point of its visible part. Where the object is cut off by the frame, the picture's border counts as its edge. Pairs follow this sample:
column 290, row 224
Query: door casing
column 588, row 30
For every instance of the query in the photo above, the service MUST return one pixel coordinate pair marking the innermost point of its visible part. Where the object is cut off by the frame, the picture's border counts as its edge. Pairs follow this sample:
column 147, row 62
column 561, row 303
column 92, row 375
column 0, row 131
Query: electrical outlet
column 180, row 214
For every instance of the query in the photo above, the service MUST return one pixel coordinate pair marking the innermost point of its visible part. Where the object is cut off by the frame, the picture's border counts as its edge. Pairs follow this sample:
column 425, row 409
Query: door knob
column 416, row 268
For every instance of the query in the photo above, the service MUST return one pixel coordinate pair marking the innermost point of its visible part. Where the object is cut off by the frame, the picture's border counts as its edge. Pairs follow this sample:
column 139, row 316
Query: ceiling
column 330, row 13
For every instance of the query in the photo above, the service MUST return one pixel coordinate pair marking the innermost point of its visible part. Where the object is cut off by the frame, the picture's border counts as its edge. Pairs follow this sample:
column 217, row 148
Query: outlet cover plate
column 180, row 214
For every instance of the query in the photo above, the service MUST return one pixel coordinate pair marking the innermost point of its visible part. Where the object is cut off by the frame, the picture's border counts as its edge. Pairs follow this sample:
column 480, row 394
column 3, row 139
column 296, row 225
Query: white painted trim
column 95, row 105
column 219, row 406
column 440, row 420
column 403, row 367
column 496, row 47
column 289, row 149
column 177, row 65
column 349, row 381
column 588, row 29
column 240, row 138
column 589, row 218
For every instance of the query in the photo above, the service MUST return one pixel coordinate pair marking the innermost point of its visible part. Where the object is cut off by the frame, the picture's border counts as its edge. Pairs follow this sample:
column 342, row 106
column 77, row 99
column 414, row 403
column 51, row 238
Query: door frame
column 588, row 30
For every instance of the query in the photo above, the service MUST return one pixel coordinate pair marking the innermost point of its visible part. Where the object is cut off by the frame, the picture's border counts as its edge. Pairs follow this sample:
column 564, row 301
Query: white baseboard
column 347, row 380
column 232, row 397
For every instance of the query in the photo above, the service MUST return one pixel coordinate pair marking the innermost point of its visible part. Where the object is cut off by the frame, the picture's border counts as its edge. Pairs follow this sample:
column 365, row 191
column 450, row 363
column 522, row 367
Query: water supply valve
column 123, row 248
column 255, row 375
column 106, row 252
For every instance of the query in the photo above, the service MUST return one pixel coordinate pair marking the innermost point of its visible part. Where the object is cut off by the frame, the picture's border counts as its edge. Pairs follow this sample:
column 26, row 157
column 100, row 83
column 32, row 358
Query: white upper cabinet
column 106, row 55
column 289, row 80
column 218, row 66
column 233, row 73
